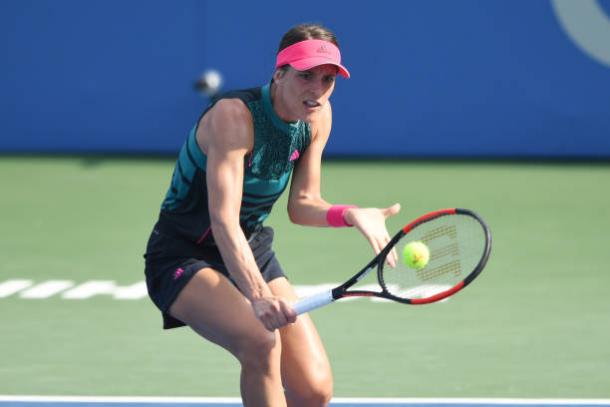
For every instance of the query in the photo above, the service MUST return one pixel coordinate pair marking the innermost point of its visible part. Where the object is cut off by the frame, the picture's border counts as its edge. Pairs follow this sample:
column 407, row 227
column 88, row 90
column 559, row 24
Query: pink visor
column 308, row 54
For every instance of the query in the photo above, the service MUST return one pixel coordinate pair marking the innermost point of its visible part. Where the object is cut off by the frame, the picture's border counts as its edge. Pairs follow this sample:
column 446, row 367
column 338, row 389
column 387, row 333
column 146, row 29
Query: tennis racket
column 459, row 243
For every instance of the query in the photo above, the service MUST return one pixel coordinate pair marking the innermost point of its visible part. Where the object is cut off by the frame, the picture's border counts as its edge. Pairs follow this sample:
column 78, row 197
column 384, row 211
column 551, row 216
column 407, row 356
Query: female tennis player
column 209, row 259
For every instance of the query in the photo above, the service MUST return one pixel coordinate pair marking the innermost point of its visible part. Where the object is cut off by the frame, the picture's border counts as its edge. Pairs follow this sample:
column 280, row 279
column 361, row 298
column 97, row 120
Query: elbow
column 293, row 214
column 303, row 210
column 300, row 210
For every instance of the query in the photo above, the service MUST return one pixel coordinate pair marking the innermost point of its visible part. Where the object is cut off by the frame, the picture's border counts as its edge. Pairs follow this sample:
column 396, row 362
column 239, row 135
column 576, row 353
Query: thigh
column 304, row 359
column 214, row 308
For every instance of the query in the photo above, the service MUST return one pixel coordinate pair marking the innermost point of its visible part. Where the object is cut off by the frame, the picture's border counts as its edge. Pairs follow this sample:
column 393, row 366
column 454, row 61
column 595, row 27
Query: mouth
column 311, row 104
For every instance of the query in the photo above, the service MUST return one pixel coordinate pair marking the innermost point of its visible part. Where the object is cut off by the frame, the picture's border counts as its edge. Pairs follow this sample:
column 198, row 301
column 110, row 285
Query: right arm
column 226, row 135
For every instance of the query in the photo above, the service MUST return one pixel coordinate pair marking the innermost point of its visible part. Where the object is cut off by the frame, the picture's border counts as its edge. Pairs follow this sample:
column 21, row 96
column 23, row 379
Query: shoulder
column 227, row 124
column 227, row 113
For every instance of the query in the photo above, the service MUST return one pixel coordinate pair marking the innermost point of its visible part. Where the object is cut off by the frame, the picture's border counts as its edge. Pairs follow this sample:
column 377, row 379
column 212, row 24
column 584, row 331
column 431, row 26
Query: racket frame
column 377, row 263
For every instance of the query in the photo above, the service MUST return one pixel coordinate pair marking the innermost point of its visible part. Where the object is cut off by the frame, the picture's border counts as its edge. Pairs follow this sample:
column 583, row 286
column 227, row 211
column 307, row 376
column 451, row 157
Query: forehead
column 327, row 69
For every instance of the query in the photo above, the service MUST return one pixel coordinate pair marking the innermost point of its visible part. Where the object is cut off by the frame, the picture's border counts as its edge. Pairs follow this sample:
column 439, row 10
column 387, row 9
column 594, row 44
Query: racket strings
column 456, row 244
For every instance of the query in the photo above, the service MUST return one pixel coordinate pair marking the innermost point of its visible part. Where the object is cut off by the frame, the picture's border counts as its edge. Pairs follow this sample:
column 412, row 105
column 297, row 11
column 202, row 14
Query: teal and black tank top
column 267, row 168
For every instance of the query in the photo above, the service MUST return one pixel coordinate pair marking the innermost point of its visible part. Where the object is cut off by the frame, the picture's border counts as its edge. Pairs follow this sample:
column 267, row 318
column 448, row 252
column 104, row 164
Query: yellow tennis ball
column 416, row 255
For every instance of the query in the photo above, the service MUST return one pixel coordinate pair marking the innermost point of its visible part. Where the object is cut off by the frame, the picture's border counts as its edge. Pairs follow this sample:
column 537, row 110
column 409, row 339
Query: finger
column 280, row 317
column 267, row 324
column 288, row 311
column 268, row 318
column 392, row 253
column 395, row 255
column 391, row 211
column 376, row 247
column 272, row 324
column 390, row 257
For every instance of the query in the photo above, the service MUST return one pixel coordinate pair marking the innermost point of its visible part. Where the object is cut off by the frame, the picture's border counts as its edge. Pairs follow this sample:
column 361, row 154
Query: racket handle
column 312, row 302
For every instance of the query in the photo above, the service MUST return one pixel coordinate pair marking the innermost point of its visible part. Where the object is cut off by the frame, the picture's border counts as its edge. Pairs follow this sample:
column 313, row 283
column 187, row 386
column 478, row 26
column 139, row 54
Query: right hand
column 273, row 312
column 371, row 223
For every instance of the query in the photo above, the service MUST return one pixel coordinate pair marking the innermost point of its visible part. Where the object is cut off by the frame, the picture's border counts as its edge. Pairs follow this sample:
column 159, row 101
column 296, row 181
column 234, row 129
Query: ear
column 279, row 74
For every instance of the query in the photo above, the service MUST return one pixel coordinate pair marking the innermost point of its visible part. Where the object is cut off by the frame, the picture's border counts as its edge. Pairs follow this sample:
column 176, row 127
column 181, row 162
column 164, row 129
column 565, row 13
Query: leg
column 217, row 311
column 306, row 372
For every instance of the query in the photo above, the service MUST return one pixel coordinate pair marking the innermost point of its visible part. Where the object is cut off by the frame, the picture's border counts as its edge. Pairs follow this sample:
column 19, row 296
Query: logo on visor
column 323, row 49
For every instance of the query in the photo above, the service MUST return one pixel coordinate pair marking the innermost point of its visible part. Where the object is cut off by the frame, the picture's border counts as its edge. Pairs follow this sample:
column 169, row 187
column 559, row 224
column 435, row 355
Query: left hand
column 371, row 223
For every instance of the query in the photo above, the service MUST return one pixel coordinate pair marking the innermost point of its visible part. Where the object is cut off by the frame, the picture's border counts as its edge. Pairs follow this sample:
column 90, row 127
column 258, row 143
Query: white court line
column 11, row 287
column 46, row 289
column 337, row 400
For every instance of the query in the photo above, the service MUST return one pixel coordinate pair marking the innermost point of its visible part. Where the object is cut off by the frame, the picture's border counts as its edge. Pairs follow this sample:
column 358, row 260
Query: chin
column 309, row 117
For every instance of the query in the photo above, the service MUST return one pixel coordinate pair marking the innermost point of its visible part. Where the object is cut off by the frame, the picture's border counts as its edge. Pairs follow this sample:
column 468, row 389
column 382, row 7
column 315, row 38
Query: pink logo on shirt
column 295, row 155
column 178, row 273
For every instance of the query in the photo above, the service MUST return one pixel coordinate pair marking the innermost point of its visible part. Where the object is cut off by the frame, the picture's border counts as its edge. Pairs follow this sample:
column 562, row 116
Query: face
column 301, row 95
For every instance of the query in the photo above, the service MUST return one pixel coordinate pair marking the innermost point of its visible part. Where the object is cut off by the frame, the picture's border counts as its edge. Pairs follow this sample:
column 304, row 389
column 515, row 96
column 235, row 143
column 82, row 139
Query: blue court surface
column 75, row 401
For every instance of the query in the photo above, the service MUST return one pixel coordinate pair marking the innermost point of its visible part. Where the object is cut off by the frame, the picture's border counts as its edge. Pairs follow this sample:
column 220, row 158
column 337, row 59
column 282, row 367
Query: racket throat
column 338, row 292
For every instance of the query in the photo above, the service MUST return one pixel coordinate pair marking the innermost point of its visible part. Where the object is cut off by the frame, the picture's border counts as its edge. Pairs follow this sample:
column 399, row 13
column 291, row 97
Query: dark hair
column 307, row 31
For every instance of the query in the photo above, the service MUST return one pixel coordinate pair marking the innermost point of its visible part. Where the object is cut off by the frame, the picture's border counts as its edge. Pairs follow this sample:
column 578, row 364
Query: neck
column 278, row 105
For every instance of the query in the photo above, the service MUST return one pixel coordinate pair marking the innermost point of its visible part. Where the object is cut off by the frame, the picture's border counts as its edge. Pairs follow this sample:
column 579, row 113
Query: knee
column 258, row 351
column 315, row 391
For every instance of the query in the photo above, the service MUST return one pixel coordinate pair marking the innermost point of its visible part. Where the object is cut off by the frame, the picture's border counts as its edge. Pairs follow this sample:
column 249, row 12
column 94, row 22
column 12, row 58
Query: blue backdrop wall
column 430, row 78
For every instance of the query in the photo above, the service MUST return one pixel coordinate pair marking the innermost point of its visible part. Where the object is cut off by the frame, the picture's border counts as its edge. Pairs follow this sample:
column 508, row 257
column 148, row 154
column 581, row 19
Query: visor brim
column 308, row 63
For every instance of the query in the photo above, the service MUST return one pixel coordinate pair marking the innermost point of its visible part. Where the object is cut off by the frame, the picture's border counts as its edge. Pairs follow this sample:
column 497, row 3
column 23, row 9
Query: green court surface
column 535, row 324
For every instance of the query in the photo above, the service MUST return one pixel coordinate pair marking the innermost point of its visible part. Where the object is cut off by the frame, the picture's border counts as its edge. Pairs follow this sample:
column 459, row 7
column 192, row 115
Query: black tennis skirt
column 171, row 262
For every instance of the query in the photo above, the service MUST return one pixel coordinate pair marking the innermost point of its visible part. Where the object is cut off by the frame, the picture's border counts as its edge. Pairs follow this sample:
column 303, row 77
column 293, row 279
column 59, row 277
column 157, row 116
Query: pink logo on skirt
column 178, row 273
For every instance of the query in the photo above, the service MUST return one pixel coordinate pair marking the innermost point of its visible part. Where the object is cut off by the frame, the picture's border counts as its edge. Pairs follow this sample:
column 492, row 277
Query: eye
column 305, row 75
column 329, row 78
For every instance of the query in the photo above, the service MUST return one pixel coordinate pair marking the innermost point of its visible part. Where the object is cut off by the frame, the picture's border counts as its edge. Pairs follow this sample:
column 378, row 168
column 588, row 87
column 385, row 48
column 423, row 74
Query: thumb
column 391, row 211
column 288, row 311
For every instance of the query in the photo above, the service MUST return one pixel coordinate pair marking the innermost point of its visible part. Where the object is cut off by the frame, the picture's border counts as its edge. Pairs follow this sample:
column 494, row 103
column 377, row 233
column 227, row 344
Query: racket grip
column 312, row 302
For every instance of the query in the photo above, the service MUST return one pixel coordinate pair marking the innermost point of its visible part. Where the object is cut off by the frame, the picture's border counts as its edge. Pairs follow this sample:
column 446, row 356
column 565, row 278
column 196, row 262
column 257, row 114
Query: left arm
column 306, row 205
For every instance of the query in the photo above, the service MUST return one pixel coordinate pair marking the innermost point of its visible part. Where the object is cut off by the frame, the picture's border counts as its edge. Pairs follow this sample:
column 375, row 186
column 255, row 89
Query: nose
column 319, row 87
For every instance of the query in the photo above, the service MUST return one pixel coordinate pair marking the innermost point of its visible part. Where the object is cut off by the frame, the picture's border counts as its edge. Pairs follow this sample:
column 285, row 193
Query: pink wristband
column 335, row 214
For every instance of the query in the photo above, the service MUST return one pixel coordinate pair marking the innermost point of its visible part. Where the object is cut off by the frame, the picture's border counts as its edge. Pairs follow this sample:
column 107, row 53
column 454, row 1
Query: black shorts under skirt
column 172, row 261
